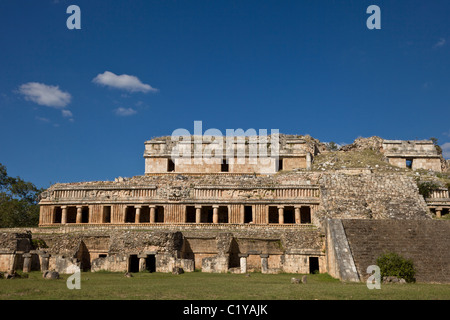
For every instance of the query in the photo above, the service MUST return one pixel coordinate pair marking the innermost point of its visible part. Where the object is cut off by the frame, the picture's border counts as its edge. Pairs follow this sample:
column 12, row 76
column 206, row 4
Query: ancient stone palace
column 278, row 203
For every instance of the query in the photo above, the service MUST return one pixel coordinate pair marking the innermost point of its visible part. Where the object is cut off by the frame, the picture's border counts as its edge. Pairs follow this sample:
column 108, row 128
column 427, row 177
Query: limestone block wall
column 398, row 162
column 156, row 165
column 6, row 261
column 113, row 263
column 433, row 164
column 294, row 163
column 425, row 242
column 285, row 251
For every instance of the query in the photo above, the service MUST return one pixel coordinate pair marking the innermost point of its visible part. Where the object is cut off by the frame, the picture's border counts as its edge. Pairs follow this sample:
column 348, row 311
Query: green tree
column 332, row 146
column 435, row 142
column 18, row 201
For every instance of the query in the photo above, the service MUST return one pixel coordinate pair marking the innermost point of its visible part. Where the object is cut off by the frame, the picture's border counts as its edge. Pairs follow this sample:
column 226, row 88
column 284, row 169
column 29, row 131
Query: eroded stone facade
column 269, row 213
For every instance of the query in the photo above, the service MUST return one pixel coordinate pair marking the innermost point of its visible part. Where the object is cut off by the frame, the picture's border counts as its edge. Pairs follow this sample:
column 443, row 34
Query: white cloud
column 446, row 150
column 66, row 113
column 440, row 43
column 123, row 82
column 42, row 94
column 123, row 112
column 42, row 119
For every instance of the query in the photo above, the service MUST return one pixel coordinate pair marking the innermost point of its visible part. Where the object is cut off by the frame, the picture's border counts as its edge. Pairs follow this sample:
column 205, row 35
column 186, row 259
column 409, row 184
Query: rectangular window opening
column 313, row 265
column 107, row 214
column 224, row 166
column 248, row 214
column 409, row 163
column 280, row 164
column 190, row 214
column 170, row 166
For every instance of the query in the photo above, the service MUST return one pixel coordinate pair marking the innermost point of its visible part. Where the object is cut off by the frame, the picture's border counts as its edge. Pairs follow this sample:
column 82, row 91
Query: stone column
column 281, row 214
column 142, row 263
column 438, row 212
column 264, row 263
column 152, row 214
column 44, row 261
column 79, row 214
column 137, row 217
column 243, row 262
column 198, row 214
column 308, row 161
column 242, row 214
column 124, row 214
column 215, row 214
column 297, row 215
column 64, row 215
column 26, row 262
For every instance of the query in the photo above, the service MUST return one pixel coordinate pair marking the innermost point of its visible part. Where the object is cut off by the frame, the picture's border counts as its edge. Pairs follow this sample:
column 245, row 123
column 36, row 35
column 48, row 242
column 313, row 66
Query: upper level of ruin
column 271, row 154
column 235, row 154
column 413, row 154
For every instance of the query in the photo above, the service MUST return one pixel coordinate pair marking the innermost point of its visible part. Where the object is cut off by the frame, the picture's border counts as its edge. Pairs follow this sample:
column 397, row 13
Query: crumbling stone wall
column 12, row 246
column 370, row 196
column 286, row 251
column 140, row 241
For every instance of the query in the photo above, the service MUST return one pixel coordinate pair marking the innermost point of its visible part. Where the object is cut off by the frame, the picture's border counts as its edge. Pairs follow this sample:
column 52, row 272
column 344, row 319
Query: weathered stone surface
column 177, row 270
column 425, row 242
column 52, row 275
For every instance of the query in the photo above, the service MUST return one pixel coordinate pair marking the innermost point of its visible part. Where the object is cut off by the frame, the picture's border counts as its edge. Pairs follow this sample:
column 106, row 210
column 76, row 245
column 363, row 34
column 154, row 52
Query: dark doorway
column 130, row 214
column 85, row 215
column 106, row 214
column 57, row 215
column 280, row 164
column 150, row 263
column 159, row 214
column 248, row 214
column 84, row 257
column 409, row 163
column 305, row 215
column 273, row 214
column 145, row 214
column 190, row 214
column 224, row 166
column 206, row 214
column 223, row 214
column 170, row 165
column 71, row 215
column 289, row 215
column 133, row 263
column 234, row 260
column 313, row 265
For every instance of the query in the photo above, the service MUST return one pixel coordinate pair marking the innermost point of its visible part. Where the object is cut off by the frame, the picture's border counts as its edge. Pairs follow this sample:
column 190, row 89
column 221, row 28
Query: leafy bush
column 391, row 264
column 426, row 187
column 38, row 244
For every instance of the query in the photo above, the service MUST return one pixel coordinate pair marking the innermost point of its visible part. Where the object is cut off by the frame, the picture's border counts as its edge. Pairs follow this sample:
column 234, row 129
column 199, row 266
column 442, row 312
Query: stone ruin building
column 270, row 211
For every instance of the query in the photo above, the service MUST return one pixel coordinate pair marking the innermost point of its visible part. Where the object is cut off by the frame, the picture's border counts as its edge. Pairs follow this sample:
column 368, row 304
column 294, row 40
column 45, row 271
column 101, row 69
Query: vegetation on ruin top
column 359, row 159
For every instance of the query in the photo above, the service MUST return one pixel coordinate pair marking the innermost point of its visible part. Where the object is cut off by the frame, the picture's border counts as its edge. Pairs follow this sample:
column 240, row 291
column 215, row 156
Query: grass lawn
column 207, row 286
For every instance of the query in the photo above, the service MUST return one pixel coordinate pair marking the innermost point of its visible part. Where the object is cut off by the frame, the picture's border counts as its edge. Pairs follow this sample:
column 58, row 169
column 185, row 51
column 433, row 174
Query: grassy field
column 205, row 286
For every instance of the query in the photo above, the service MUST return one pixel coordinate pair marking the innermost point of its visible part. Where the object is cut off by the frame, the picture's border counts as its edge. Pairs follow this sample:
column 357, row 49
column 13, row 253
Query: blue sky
column 78, row 105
